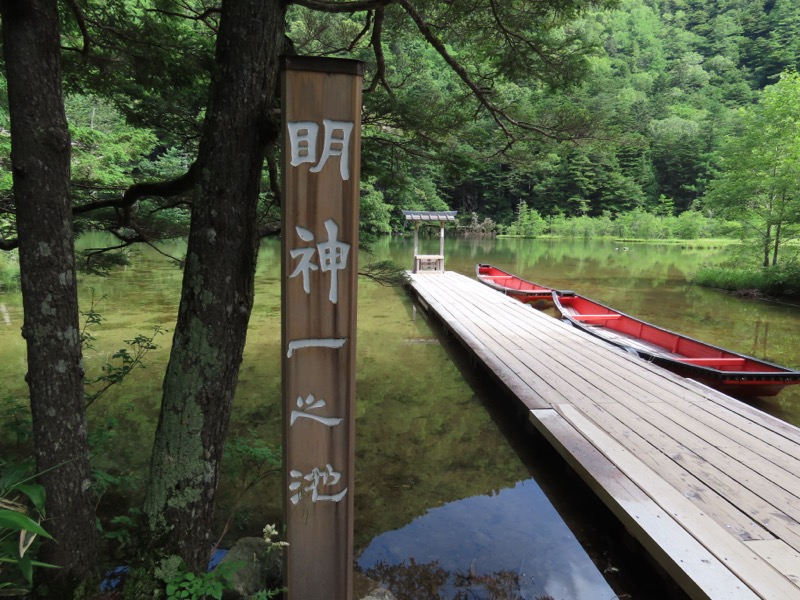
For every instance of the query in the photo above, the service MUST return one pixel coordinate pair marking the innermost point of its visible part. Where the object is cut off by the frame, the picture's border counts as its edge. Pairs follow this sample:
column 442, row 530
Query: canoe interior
column 722, row 369
column 512, row 285
column 727, row 371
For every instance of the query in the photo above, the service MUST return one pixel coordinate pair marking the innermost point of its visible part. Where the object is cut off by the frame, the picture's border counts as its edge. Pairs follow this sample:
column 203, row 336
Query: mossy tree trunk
column 217, row 292
column 40, row 158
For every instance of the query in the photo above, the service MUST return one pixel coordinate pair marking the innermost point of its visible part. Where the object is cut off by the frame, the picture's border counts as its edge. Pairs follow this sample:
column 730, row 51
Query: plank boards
column 707, row 484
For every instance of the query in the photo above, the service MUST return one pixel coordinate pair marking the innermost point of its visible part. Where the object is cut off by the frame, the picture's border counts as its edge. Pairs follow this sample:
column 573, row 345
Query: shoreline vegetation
column 741, row 275
column 695, row 244
column 744, row 274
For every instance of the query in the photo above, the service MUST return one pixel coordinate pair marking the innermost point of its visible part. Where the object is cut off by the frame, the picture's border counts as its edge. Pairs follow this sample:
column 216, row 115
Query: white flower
column 270, row 531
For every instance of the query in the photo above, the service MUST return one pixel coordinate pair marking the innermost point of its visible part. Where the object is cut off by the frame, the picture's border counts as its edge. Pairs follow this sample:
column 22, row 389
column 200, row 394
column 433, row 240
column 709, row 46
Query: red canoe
column 516, row 287
column 725, row 370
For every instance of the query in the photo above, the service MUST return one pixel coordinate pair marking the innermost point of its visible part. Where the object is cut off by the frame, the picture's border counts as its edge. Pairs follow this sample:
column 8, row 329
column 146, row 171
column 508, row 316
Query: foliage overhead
column 465, row 103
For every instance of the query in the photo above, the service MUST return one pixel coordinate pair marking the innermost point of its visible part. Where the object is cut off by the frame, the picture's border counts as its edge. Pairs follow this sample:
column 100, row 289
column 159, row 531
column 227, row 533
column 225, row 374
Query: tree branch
column 499, row 116
column 341, row 7
column 513, row 37
column 81, row 19
column 195, row 16
column 377, row 47
column 162, row 189
column 125, row 242
column 437, row 44
column 362, row 33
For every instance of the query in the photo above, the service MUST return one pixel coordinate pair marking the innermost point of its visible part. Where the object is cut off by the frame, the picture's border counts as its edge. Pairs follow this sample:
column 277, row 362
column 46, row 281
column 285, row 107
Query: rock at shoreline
column 258, row 570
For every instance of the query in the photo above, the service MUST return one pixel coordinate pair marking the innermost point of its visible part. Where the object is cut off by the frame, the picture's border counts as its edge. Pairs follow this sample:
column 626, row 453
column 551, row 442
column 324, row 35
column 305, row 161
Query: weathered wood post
column 441, row 242
column 321, row 173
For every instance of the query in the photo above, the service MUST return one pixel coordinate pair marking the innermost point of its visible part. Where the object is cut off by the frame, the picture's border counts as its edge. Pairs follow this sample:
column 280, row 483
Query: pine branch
column 341, row 7
column 502, row 118
column 377, row 47
column 81, row 20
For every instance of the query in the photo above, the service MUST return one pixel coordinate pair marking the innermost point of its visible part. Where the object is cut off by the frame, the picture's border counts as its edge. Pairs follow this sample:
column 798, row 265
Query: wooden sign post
column 321, row 173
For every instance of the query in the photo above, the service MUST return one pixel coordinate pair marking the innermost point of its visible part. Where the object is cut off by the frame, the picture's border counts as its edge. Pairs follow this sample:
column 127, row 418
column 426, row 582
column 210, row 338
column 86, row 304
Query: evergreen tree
column 40, row 162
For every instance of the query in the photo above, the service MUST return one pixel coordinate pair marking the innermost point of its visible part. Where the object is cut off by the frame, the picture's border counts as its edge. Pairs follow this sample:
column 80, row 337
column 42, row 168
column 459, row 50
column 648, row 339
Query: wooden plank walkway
column 708, row 485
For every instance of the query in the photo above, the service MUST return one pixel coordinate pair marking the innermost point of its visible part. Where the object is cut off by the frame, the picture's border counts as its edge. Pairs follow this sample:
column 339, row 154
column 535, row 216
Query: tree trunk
column 777, row 242
column 767, row 244
column 217, row 292
column 40, row 154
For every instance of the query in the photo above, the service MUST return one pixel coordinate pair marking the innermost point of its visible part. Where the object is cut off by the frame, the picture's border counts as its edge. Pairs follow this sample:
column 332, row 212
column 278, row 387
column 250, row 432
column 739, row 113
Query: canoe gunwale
column 738, row 380
column 545, row 293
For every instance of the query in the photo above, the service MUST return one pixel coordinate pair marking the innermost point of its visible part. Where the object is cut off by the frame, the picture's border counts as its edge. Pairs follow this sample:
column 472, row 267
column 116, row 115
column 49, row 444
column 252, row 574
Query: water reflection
column 508, row 544
column 651, row 282
column 426, row 437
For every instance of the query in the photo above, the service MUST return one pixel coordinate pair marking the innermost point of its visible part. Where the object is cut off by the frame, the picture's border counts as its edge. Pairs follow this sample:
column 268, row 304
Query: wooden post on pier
column 321, row 175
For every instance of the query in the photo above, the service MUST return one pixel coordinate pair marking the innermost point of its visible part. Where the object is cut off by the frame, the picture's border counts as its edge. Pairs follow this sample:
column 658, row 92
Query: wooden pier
column 708, row 485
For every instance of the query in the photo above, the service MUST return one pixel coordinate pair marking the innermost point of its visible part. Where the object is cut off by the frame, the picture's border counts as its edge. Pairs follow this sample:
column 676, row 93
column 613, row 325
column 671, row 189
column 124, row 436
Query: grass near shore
column 698, row 244
column 695, row 244
column 780, row 281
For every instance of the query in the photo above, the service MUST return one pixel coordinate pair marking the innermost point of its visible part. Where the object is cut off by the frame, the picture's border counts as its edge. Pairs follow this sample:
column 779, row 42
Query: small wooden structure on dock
column 429, row 262
column 708, row 485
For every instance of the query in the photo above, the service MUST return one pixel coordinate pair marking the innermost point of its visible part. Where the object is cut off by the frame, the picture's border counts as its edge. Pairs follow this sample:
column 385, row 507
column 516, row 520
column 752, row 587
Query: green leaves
column 122, row 362
column 19, row 525
column 759, row 183
column 105, row 148
column 16, row 521
column 190, row 586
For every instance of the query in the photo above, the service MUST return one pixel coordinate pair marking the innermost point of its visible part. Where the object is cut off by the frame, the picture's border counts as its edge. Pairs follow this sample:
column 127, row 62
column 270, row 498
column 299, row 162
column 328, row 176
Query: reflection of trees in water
column 581, row 257
column 501, row 584
column 412, row 580
column 424, row 581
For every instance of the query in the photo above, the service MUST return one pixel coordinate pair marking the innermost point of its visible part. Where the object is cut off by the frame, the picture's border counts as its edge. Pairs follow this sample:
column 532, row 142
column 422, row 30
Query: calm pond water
column 452, row 496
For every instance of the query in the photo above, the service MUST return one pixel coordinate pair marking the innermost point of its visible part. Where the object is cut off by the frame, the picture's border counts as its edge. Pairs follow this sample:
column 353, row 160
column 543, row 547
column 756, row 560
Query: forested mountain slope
column 663, row 86
column 664, row 89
